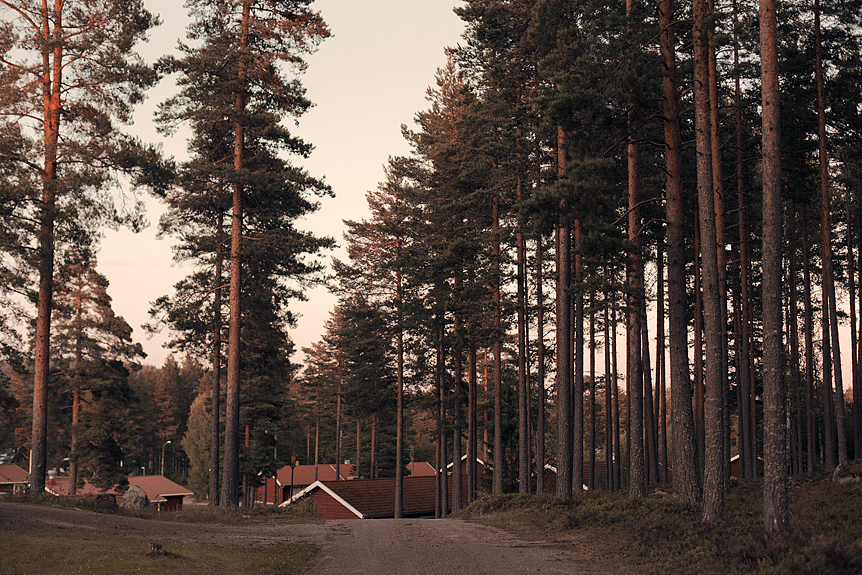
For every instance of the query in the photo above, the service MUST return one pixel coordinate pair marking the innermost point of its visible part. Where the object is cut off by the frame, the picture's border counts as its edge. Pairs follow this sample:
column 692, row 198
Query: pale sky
column 366, row 80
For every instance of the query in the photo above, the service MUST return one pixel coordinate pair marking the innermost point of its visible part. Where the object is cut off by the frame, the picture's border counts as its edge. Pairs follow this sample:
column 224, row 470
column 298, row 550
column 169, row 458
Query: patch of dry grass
column 302, row 511
column 76, row 552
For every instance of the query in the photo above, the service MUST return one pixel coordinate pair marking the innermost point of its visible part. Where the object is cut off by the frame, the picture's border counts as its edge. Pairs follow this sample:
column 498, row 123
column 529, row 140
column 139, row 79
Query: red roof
column 158, row 487
column 420, row 469
column 11, row 473
column 59, row 486
column 304, row 474
column 375, row 498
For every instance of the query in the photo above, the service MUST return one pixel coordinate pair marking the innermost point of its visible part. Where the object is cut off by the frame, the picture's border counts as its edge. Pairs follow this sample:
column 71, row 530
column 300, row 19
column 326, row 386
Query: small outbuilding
column 13, row 479
column 298, row 478
column 161, row 491
column 375, row 498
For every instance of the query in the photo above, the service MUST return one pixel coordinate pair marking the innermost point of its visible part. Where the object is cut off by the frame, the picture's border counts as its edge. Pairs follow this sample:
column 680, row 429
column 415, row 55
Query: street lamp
column 292, row 467
column 168, row 442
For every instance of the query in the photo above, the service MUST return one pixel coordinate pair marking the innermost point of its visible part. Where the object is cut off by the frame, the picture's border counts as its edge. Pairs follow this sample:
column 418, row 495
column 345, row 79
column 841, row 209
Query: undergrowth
column 658, row 534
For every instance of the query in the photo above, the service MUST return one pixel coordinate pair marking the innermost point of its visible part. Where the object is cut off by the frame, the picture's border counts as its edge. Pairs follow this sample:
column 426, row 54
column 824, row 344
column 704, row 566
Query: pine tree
column 97, row 346
column 375, row 270
column 685, row 476
column 70, row 75
column 775, row 511
column 245, row 54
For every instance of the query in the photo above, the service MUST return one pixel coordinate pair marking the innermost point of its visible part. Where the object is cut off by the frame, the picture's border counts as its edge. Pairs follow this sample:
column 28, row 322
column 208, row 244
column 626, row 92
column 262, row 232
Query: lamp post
column 168, row 442
column 292, row 467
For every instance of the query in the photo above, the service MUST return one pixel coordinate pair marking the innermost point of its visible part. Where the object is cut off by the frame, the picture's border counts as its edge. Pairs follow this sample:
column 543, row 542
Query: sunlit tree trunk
column 52, row 71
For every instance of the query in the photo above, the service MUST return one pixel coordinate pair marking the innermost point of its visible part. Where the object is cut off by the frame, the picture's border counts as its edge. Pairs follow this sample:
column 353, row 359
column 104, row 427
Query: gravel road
column 375, row 546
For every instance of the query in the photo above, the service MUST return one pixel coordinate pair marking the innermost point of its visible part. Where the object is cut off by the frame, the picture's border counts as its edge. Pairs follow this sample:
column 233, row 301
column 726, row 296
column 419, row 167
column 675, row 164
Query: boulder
column 135, row 499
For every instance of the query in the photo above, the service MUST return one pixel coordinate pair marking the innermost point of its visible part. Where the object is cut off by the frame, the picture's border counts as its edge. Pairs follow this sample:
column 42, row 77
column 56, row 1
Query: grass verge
column 70, row 552
column 303, row 511
column 658, row 534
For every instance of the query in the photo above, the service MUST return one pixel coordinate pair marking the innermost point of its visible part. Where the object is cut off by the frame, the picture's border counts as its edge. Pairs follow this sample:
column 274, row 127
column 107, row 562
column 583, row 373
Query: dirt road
column 377, row 546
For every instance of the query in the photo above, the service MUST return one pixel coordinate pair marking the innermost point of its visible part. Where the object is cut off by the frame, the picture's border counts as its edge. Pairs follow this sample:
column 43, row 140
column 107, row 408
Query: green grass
column 70, row 552
column 660, row 535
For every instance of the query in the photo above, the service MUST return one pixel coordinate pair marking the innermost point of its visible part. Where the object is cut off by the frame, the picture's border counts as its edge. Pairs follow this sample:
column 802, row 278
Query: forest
column 686, row 176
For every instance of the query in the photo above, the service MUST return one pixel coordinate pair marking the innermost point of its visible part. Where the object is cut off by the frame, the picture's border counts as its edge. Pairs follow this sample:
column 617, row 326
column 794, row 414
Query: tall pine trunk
column 591, row 478
column 577, row 396
column 714, row 481
column 661, row 384
column 634, row 372
column 457, row 428
column 523, row 376
column 52, row 70
column 743, row 336
column 775, row 513
column 215, row 397
column 617, row 447
column 230, row 479
column 564, row 359
column 472, row 423
column 564, row 335
column 793, row 315
column 721, row 252
column 540, row 372
column 610, row 420
column 650, row 424
column 809, row 349
column 830, row 316
column 399, row 434
column 686, row 480
column 497, row 480
column 634, row 317
column 857, row 375
column 851, row 294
